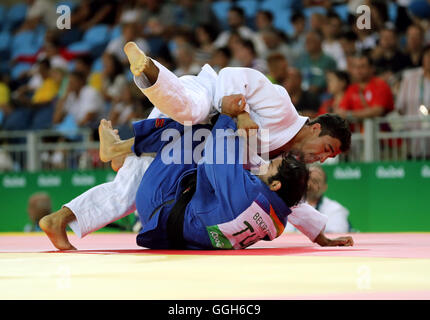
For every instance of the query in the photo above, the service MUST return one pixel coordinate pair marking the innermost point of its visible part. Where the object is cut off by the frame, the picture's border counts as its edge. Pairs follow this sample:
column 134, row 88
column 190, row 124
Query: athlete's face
column 270, row 169
column 319, row 148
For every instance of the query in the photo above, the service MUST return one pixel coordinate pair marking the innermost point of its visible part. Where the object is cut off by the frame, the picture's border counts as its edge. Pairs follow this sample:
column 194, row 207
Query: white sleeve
column 269, row 105
column 307, row 220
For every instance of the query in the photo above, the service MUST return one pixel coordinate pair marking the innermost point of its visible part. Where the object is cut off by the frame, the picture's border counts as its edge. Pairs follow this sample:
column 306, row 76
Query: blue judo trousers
column 230, row 209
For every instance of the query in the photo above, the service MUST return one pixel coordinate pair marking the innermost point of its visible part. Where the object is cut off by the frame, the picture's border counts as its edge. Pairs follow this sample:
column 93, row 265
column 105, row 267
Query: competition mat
column 112, row 266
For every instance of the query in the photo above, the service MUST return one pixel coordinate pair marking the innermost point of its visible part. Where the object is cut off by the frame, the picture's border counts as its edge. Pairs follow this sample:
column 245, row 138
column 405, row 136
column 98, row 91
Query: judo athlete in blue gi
column 212, row 202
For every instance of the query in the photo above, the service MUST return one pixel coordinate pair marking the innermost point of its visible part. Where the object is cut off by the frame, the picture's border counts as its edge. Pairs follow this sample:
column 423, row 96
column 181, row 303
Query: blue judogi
column 231, row 208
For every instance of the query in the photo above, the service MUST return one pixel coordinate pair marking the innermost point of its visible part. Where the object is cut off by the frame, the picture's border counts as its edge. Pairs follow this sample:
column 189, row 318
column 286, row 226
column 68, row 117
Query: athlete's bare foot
column 54, row 225
column 108, row 138
column 118, row 162
column 137, row 58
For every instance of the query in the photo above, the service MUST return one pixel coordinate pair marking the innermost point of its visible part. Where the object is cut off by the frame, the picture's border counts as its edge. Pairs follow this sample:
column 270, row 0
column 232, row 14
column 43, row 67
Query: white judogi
column 337, row 216
column 196, row 99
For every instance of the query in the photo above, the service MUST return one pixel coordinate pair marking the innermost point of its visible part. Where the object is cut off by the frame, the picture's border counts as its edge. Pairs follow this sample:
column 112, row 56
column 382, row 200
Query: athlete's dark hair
column 293, row 175
column 336, row 127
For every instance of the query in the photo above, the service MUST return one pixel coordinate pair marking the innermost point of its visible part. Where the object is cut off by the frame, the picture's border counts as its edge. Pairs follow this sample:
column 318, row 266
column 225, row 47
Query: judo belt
column 175, row 221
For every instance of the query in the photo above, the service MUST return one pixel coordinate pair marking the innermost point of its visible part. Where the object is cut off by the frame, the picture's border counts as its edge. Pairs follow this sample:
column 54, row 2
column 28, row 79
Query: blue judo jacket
column 231, row 208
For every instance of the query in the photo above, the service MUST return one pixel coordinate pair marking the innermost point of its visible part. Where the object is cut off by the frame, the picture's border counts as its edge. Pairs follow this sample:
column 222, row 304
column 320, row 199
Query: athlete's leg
column 184, row 99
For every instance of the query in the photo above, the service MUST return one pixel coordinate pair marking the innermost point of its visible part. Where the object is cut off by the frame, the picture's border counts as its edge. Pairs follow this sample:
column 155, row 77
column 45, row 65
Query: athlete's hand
column 323, row 241
column 233, row 105
column 244, row 122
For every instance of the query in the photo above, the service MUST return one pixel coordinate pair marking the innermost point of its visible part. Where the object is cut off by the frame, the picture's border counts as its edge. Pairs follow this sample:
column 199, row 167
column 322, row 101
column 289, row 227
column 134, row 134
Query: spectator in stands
column 306, row 102
column 331, row 44
column 125, row 110
column 83, row 64
column 92, row 12
column 39, row 11
column 205, row 35
column 369, row 96
column 348, row 41
column 337, row 214
column 337, row 83
column 414, row 94
column 221, row 58
column 192, row 13
column 236, row 22
column 387, row 57
column 157, row 11
column 39, row 205
column 414, row 45
column 276, row 42
column 247, row 57
column 263, row 20
column 82, row 102
column 113, row 79
column 129, row 32
column 185, row 63
column 33, row 106
column 42, row 102
column 61, row 77
column 297, row 41
column 5, row 107
column 316, row 22
column 278, row 68
column 314, row 63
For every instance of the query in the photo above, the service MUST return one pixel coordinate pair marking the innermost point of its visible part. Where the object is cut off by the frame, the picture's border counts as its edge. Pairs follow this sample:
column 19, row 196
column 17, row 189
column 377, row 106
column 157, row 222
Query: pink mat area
column 388, row 245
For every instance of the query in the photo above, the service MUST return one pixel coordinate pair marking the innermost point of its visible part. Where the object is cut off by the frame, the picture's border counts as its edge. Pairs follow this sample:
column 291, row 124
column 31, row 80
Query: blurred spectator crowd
column 64, row 79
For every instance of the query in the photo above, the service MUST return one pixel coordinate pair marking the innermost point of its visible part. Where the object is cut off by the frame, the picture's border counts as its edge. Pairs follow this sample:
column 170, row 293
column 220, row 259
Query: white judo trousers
column 196, row 99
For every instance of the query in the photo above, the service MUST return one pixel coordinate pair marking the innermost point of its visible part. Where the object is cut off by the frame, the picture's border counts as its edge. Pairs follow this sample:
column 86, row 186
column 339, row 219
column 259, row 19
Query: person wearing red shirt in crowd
column 337, row 83
column 368, row 96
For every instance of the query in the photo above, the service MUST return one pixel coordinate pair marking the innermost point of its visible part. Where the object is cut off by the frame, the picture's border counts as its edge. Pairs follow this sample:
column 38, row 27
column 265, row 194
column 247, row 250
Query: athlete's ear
column 316, row 128
column 275, row 185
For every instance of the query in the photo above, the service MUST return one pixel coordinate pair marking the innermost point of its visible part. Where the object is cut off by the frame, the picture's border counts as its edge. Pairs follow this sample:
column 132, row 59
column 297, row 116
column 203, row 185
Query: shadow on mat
column 245, row 252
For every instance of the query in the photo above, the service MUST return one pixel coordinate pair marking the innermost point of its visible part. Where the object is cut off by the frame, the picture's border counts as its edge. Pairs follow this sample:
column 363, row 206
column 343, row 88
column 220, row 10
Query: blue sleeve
column 223, row 158
column 148, row 134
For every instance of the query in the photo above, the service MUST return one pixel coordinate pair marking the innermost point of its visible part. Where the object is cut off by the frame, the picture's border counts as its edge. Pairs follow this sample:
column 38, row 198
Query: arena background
column 383, row 181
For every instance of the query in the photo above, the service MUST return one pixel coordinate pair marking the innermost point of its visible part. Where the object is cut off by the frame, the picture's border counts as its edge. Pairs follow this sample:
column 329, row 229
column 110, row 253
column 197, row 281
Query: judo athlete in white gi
column 196, row 99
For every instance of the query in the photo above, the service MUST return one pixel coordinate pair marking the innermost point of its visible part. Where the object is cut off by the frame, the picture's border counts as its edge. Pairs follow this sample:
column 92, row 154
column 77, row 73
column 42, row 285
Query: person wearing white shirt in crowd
column 80, row 101
column 336, row 213
column 331, row 44
column 413, row 99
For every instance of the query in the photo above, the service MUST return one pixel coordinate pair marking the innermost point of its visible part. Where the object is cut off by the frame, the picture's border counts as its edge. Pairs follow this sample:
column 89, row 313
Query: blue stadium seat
column 342, row 11
column 15, row 15
column 98, row 34
column 274, row 5
column 116, row 32
column 250, row 7
column 24, row 43
column 2, row 15
column 311, row 10
column 5, row 39
column 97, row 65
column 392, row 11
column 80, row 47
column 18, row 69
column 220, row 9
column 282, row 21
column 94, row 41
